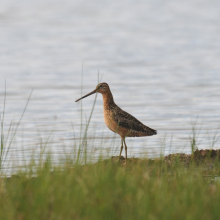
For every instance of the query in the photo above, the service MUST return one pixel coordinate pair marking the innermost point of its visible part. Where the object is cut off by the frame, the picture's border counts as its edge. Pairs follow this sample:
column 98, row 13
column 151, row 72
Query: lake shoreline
column 198, row 157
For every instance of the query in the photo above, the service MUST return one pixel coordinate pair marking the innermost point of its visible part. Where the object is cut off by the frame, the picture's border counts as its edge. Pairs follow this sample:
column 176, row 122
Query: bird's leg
column 121, row 147
column 125, row 150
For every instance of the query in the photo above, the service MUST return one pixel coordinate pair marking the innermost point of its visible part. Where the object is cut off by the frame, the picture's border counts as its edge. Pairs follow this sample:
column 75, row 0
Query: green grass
column 143, row 189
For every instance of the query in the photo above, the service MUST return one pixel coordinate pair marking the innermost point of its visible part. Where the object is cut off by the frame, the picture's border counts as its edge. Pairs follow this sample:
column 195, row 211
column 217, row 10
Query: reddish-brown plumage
column 118, row 120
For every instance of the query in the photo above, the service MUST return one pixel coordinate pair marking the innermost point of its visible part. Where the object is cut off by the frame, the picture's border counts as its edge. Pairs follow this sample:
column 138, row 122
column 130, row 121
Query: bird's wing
column 129, row 122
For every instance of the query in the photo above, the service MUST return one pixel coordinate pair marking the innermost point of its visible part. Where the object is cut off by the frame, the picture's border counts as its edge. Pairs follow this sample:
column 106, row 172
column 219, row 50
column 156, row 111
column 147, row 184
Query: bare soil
column 206, row 157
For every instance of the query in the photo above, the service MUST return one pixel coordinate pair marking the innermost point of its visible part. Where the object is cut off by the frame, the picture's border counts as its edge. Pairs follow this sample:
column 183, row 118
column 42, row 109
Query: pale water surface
column 160, row 58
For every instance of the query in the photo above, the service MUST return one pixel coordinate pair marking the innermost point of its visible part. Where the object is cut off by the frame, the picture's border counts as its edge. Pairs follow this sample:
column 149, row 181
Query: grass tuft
column 141, row 189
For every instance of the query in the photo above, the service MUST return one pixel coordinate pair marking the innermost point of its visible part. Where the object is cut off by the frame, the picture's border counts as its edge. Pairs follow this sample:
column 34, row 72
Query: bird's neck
column 108, row 101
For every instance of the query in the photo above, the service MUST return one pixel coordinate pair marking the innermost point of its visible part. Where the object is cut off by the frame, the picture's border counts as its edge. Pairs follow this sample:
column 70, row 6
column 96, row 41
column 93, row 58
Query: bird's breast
column 113, row 125
column 109, row 120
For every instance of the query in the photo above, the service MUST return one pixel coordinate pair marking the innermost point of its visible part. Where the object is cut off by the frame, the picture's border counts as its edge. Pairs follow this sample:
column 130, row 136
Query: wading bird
column 118, row 120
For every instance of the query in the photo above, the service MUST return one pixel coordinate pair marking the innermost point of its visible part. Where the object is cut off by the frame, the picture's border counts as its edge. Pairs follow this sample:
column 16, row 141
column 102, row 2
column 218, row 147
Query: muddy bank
column 199, row 157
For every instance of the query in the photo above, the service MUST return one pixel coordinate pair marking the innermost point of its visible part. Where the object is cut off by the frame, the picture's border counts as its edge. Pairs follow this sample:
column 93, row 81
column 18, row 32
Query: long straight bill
column 86, row 95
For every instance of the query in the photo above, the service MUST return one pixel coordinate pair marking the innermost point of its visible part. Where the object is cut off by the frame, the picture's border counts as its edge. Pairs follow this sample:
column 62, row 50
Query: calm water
column 161, row 60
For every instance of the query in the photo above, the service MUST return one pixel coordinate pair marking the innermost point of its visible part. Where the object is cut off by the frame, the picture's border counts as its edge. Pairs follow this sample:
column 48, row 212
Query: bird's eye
column 103, row 87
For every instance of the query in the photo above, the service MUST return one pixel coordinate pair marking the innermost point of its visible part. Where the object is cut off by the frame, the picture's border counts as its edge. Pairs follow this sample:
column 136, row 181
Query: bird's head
column 101, row 88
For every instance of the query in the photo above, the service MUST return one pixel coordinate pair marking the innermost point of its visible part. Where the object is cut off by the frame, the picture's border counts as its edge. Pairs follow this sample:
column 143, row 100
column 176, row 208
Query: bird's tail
column 150, row 131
